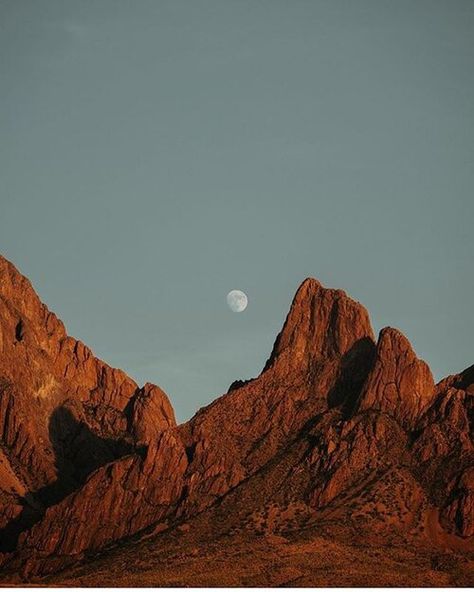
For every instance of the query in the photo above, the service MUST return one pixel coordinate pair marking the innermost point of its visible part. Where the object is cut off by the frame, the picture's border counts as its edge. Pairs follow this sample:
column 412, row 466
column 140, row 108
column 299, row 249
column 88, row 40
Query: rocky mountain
column 342, row 440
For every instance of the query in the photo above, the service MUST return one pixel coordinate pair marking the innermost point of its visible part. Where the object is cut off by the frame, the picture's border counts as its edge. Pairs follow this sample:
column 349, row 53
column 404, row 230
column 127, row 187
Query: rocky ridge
column 335, row 425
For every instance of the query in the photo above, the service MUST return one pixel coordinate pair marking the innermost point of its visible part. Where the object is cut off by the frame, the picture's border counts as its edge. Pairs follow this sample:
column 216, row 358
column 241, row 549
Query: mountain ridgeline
column 342, row 434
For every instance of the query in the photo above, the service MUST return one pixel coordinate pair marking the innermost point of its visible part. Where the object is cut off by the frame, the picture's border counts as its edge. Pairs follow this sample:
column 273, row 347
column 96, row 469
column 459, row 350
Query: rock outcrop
column 322, row 324
column 234, row 437
column 150, row 413
column 129, row 494
column 444, row 448
column 88, row 458
column 399, row 384
column 63, row 412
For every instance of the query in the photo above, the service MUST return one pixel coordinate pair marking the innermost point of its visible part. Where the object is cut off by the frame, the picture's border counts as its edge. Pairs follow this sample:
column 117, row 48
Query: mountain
column 339, row 463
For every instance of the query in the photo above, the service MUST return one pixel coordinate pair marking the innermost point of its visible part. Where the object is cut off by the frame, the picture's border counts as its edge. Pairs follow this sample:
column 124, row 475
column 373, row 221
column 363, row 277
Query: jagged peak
column 6, row 264
column 8, row 271
column 391, row 335
column 149, row 412
column 308, row 286
column 399, row 383
column 321, row 323
column 297, row 438
column 16, row 288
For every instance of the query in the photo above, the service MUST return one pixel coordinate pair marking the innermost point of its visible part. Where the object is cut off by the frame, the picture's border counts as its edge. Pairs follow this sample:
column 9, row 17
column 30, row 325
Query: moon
column 237, row 300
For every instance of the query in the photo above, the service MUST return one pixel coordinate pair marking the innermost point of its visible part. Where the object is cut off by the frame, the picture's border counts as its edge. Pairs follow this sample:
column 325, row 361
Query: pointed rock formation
column 150, row 414
column 322, row 324
column 259, row 419
column 41, row 368
column 62, row 410
column 399, row 384
column 333, row 424
column 319, row 360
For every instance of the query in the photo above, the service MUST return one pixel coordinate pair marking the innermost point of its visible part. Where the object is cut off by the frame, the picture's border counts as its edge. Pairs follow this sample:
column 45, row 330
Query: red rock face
column 354, row 450
column 128, row 494
column 322, row 324
column 62, row 411
column 150, row 414
column 331, row 415
column 259, row 418
column 399, row 384
column 445, row 450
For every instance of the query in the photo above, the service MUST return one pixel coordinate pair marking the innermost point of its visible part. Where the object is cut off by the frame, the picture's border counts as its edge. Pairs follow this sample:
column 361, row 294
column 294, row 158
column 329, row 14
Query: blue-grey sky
column 156, row 154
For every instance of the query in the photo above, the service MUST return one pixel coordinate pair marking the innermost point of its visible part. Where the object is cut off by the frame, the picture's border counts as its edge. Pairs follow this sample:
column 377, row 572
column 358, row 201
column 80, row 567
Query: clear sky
column 156, row 154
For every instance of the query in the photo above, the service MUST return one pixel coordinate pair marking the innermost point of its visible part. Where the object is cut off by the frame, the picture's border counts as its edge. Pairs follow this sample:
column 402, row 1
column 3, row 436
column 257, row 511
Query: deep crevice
column 19, row 331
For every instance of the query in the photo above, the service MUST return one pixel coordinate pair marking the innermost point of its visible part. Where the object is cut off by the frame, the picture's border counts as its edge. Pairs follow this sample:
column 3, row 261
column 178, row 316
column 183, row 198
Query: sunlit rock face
column 399, row 384
column 335, row 423
column 63, row 412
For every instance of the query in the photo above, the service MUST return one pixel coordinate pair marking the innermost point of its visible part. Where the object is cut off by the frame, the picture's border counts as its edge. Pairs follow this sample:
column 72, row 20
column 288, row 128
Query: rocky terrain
column 341, row 464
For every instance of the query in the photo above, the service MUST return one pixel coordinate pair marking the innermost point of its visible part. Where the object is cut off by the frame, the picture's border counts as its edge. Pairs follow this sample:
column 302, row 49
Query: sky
column 155, row 155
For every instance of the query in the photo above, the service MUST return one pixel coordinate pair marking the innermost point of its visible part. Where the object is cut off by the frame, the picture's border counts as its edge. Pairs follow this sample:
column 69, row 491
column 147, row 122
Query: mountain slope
column 63, row 412
column 338, row 432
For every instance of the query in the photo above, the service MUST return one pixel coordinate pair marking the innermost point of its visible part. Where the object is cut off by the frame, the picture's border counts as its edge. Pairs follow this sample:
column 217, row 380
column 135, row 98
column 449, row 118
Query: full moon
column 237, row 300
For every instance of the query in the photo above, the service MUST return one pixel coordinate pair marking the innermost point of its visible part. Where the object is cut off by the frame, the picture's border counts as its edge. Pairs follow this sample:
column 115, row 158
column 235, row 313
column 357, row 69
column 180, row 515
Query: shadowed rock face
column 62, row 411
column 89, row 458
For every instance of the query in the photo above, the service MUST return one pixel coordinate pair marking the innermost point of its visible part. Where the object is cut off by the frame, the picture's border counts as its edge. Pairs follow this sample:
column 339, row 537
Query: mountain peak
column 308, row 286
column 322, row 323
column 399, row 384
column 334, row 422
